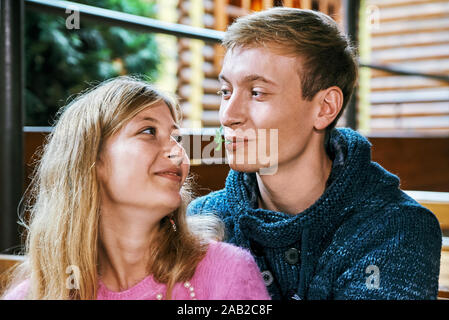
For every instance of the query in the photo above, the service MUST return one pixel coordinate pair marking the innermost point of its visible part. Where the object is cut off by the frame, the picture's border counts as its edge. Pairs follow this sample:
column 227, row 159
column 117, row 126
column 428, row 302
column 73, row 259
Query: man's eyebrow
column 256, row 77
column 221, row 77
column 175, row 126
column 249, row 78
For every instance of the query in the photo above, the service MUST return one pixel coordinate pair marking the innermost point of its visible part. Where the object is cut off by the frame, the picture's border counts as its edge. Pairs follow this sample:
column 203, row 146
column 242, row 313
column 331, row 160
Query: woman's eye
column 177, row 138
column 150, row 130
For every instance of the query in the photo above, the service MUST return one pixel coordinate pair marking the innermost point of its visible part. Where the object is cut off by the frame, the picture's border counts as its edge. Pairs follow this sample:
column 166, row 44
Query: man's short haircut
column 327, row 54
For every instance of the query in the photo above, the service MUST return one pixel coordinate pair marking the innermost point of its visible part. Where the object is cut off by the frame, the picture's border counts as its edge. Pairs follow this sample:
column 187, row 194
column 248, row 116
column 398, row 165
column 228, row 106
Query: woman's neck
column 125, row 246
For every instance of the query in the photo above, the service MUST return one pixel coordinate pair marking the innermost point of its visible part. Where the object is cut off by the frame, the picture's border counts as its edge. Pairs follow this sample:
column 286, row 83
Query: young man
column 327, row 223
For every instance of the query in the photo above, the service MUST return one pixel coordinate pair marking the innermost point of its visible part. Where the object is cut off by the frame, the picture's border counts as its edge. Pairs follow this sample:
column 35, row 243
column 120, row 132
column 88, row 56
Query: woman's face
column 143, row 167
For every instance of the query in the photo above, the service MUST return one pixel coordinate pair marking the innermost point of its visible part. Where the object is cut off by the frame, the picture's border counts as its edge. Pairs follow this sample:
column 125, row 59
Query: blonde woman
column 107, row 219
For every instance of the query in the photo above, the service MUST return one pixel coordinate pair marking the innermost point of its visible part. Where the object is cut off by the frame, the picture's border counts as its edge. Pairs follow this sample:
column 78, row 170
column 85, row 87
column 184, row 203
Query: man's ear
column 330, row 102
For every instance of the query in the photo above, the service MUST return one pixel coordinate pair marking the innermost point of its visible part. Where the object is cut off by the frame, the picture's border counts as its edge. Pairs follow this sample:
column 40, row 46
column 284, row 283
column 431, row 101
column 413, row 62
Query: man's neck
column 296, row 185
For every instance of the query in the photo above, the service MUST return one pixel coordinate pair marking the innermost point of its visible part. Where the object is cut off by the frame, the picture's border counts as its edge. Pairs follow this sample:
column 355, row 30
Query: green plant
column 60, row 62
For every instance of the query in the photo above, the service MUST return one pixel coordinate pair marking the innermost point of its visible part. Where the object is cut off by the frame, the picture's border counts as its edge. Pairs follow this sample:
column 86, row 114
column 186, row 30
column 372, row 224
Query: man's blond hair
column 327, row 54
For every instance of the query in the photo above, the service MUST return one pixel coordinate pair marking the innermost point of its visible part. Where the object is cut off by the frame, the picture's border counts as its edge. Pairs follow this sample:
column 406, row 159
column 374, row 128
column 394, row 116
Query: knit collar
column 351, row 155
column 147, row 287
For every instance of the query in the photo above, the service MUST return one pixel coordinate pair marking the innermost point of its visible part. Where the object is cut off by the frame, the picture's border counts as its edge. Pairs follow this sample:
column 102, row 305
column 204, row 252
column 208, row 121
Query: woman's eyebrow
column 146, row 118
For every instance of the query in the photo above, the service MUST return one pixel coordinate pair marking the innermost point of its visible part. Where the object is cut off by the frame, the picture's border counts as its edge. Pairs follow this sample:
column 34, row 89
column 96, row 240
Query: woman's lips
column 174, row 176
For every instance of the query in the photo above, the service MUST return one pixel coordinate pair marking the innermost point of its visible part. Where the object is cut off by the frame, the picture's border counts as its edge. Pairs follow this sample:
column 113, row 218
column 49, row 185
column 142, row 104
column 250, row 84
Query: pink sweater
column 226, row 273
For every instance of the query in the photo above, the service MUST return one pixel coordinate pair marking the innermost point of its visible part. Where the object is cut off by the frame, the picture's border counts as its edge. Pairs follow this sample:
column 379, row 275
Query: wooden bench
column 6, row 262
column 444, row 271
column 438, row 203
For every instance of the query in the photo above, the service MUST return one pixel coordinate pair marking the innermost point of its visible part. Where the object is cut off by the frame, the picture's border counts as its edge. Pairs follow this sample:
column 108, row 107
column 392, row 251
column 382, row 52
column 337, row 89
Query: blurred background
column 49, row 53
column 406, row 35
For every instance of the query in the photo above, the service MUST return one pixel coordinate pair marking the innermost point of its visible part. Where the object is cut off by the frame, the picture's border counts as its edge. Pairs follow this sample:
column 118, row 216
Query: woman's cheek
column 185, row 167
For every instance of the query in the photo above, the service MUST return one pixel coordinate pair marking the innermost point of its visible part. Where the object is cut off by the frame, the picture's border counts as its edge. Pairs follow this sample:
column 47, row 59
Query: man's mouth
column 234, row 142
column 234, row 139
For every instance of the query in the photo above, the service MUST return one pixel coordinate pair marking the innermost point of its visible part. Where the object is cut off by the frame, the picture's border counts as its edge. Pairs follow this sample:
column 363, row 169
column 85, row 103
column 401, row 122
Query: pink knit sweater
column 226, row 273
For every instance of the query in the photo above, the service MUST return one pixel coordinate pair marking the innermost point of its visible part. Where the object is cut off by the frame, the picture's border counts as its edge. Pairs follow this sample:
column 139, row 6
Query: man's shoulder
column 214, row 202
column 399, row 237
column 415, row 218
column 402, row 208
column 396, row 216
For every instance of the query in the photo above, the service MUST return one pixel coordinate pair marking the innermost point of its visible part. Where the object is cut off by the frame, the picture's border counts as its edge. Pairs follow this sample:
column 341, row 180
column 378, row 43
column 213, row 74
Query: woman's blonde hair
column 64, row 203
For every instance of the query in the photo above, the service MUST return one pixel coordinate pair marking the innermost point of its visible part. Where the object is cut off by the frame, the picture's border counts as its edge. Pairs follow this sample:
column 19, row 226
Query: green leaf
column 61, row 62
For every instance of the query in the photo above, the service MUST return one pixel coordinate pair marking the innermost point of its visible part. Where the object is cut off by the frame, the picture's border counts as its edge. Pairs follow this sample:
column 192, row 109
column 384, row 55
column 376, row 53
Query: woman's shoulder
column 222, row 252
column 223, row 259
column 17, row 292
column 230, row 272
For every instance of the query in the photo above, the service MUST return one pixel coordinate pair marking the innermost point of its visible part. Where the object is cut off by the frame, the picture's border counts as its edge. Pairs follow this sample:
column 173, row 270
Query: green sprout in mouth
column 219, row 138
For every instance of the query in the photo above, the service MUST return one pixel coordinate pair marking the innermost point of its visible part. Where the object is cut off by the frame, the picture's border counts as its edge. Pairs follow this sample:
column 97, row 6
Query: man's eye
column 150, row 130
column 256, row 93
column 224, row 93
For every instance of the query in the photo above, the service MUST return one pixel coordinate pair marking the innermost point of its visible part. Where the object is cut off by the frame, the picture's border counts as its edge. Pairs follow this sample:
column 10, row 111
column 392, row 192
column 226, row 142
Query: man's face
column 261, row 89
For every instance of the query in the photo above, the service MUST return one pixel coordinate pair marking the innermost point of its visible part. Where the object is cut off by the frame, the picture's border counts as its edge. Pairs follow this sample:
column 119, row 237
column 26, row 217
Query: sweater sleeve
column 398, row 261
column 196, row 206
column 18, row 292
column 211, row 203
column 237, row 276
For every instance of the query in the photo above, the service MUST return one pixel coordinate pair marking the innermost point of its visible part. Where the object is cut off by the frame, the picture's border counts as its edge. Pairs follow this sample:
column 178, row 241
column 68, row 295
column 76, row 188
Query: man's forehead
column 251, row 64
column 280, row 49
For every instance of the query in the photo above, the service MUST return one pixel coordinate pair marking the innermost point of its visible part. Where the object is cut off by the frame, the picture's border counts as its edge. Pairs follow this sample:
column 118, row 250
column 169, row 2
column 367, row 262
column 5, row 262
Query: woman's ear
column 100, row 163
column 330, row 102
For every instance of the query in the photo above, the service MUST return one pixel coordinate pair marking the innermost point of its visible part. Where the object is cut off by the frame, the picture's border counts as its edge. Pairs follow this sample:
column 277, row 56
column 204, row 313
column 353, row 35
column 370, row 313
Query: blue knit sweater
column 362, row 239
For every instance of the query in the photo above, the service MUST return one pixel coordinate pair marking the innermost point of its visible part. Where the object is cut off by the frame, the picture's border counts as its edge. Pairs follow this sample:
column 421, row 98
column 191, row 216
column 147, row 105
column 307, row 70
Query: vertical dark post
column 351, row 20
column 11, row 119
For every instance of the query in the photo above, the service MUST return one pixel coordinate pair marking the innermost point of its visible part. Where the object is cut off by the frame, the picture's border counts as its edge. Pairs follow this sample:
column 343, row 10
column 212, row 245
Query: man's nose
column 232, row 111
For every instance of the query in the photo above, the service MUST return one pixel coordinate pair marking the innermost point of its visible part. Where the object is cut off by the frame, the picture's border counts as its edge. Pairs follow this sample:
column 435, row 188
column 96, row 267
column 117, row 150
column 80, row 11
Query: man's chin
column 256, row 168
column 245, row 167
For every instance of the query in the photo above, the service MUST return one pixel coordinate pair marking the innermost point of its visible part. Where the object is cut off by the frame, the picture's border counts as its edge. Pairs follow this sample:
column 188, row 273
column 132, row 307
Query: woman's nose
column 175, row 151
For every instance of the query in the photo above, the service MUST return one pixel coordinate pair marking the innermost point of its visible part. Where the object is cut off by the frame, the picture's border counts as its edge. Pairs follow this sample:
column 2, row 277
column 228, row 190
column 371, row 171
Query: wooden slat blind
column 411, row 35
